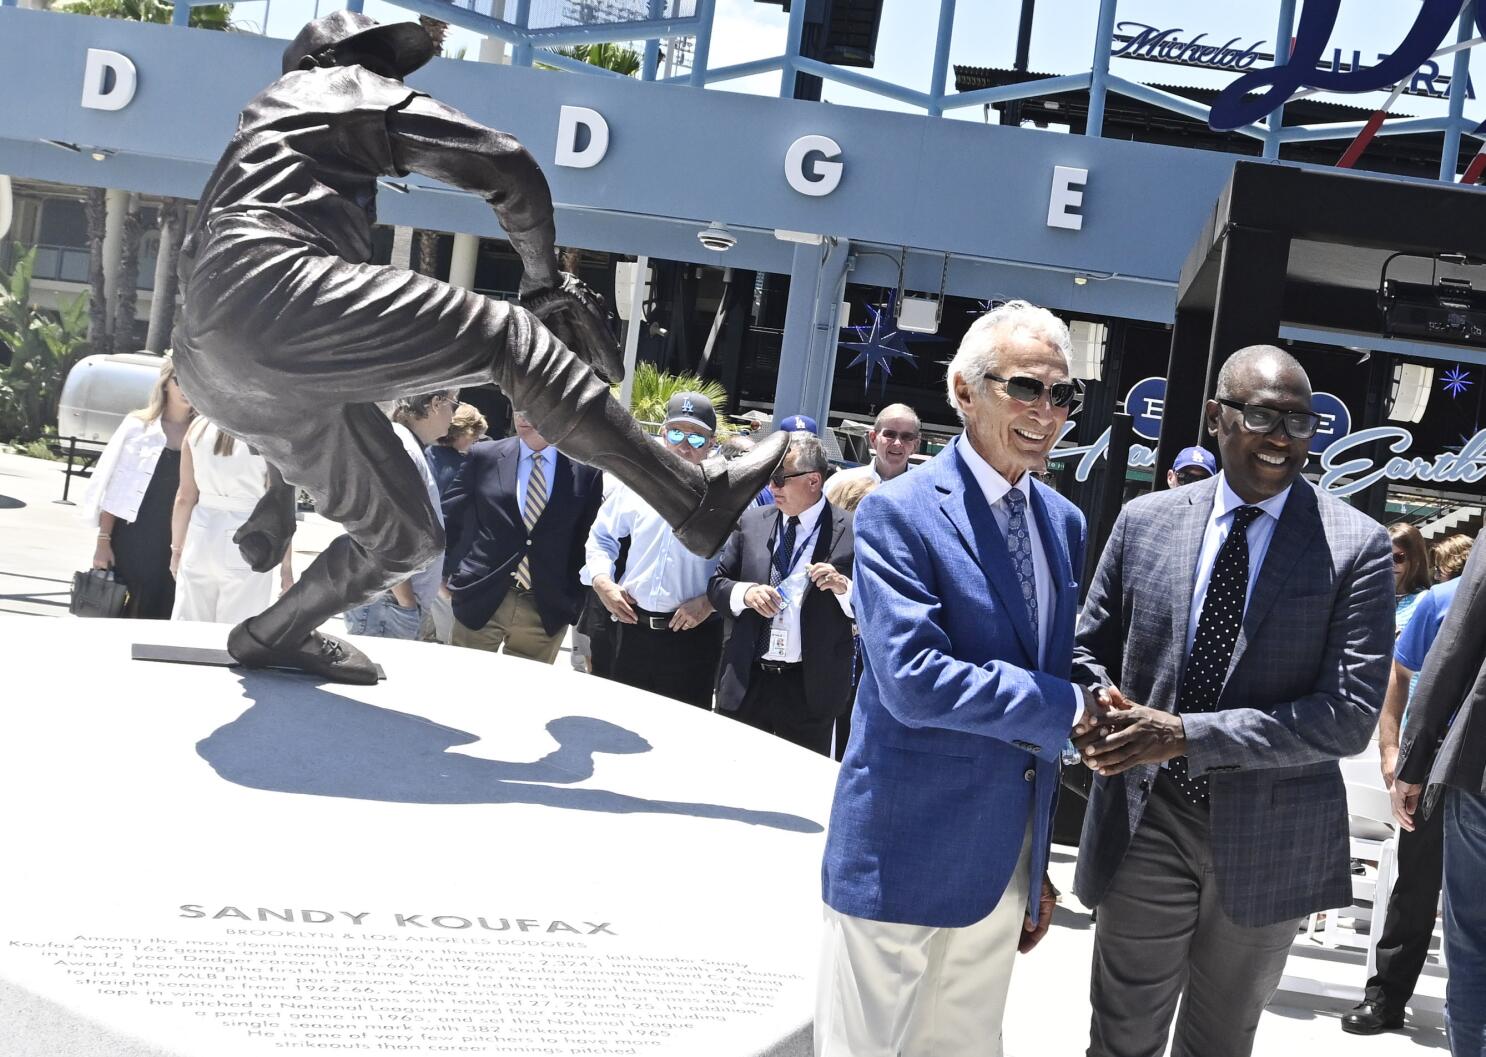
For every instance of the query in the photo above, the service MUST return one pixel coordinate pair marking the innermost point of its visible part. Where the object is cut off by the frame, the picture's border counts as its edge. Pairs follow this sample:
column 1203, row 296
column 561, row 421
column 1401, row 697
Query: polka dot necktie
column 1019, row 546
column 1217, row 634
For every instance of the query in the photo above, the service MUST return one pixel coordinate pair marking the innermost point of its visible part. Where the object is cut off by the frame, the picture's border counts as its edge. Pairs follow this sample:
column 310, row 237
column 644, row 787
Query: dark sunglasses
column 778, row 479
column 696, row 440
column 1299, row 425
column 1191, row 476
column 891, row 435
column 1029, row 390
column 1399, row 557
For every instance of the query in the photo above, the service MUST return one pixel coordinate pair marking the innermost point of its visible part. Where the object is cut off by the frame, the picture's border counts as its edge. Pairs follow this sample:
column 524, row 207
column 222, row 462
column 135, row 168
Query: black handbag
column 97, row 593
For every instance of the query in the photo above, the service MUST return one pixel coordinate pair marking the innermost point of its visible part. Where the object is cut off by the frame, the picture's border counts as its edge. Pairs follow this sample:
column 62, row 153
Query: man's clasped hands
column 1114, row 735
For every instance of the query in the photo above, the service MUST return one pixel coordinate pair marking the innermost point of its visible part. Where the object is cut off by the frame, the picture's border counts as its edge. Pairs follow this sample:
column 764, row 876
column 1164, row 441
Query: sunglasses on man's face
column 1029, row 390
column 893, row 436
column 676, row 436
column 1299, row 425
column 779, row 477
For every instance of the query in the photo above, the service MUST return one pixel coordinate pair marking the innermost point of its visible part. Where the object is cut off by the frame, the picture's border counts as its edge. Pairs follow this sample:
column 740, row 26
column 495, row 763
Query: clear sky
column 985, row 35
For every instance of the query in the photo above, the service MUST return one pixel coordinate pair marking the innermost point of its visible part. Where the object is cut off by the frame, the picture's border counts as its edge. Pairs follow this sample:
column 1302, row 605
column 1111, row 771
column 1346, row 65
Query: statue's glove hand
column 583, row 322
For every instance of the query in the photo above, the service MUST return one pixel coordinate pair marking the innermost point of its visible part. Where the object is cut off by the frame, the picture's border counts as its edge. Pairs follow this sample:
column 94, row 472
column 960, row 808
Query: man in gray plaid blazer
column 1247, row 622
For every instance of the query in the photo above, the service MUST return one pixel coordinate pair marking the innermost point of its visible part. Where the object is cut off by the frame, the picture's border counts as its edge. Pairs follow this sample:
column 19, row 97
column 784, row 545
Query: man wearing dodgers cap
column 1192, row 465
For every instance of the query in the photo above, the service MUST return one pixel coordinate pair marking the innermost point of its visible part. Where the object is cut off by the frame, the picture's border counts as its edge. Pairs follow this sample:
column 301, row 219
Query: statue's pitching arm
column 436, row 140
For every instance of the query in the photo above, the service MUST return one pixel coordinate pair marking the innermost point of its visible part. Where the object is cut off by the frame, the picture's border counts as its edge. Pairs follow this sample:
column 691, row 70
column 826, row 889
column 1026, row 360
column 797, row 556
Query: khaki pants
column 894, row 990
column 517, row 626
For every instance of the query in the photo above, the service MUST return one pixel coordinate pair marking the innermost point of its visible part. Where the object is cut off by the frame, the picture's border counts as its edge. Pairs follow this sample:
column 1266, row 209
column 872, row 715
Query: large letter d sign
column 102, row 92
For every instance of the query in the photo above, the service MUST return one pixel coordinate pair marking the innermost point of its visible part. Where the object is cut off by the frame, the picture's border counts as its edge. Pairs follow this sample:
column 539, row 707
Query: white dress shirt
column 548, row 455
column 426, row 581
column 1261, row 531
column 796, row 584
column 660, row 574
column 995, row 487
column 868, row 469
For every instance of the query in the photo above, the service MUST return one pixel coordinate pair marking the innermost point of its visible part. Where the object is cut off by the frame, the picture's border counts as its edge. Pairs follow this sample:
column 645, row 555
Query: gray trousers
column 1162, row 936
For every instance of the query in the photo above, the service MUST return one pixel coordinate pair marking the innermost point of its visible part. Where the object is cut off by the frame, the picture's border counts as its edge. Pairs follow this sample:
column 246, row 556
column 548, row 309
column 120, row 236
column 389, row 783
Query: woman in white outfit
column 222, row 480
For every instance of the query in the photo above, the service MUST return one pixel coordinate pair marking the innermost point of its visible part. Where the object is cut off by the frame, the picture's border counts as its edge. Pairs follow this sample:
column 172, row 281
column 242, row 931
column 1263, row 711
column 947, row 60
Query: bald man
column 1247, row 622
column 893, row 439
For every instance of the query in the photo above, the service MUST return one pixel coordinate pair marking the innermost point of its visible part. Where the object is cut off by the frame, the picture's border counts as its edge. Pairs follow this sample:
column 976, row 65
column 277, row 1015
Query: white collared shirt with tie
column 995, row 487
column 805, row 542
column 1261, row 531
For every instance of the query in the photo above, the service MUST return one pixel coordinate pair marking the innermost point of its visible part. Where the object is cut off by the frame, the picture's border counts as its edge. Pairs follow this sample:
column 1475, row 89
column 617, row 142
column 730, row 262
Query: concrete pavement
column 43, row 542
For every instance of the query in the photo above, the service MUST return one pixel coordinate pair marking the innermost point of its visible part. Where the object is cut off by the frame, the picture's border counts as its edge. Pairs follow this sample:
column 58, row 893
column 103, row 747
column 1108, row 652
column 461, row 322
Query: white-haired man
column 965, row 595
column 893, row 439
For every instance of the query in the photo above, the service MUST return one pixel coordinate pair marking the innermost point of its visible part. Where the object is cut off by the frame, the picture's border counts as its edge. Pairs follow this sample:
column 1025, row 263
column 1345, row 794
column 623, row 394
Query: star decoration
column 1456, row 381
column 880, row 344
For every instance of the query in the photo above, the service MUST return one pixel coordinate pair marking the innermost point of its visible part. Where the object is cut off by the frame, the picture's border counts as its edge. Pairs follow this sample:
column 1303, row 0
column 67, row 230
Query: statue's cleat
column 732, row 486
column 317, row 654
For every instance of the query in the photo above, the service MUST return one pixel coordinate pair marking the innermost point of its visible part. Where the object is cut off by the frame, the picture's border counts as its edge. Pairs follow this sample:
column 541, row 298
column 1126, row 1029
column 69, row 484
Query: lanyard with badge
column 791, row 590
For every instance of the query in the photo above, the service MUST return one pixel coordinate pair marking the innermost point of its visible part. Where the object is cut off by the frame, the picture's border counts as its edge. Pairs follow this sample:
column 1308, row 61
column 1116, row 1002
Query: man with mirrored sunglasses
column 893, row 438
column 1241, row 628
column 669, row 638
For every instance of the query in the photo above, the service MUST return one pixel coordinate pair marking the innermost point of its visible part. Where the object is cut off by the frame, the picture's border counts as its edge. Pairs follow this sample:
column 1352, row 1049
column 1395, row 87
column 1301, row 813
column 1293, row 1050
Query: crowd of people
column 1242, row 633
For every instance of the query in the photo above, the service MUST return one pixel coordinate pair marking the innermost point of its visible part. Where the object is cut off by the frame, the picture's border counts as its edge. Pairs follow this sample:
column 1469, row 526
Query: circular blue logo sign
column 1145, row 402
column 1336, row 421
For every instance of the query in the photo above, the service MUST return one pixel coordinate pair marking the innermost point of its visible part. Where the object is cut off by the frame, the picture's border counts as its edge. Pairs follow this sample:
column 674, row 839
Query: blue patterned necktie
column 779, row 568
column 1019, row 546
column 1217, row 635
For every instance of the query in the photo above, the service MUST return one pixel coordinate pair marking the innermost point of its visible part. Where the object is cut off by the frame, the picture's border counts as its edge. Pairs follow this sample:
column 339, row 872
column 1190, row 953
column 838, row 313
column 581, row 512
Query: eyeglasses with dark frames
column 1029, row 390
column 696, row 440
column 1299, row 425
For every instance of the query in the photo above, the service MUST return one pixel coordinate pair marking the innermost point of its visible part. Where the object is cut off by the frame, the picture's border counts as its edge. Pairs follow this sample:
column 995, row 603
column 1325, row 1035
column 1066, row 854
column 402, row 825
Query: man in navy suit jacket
column 965, row 596
column 516, row 518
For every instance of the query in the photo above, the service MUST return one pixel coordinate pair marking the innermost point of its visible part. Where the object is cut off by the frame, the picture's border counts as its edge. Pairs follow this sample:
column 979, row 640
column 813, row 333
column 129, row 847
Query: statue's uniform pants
column 288, row 347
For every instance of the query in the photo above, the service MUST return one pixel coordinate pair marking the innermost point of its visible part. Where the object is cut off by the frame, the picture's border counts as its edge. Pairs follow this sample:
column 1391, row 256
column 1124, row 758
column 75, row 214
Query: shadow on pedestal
column 298, row 738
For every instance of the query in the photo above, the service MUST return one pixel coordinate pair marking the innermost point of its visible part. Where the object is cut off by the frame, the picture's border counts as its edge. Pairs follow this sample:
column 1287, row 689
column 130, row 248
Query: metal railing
column 533, row 27
column 69, row 264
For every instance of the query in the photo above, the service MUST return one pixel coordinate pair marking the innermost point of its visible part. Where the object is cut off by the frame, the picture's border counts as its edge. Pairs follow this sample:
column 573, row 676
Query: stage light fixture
column 1410, row 392
column 1447, row 308
column 1089, row 340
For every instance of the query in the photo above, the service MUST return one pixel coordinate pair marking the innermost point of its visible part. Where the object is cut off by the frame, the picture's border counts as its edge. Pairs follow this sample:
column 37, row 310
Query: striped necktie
column 536, row 502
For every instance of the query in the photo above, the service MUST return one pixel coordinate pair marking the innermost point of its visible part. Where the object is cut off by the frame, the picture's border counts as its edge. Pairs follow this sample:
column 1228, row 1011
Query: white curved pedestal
column 479, row 855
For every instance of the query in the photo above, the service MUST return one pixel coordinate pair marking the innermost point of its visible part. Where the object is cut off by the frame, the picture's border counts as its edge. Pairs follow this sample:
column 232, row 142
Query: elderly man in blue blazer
column 965, row 595
column 1247, row 622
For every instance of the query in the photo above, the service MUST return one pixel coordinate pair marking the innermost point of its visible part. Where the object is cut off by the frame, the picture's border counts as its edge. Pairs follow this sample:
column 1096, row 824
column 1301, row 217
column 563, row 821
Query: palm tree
column 653, row 389
column 96, row 205
column 608, row 56
column 426, row 243
column 216, row 16
column 41, row 348
column 103, row 340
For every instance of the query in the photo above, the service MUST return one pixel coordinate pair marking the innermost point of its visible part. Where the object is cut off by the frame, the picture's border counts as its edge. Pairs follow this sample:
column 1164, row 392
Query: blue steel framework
column 1099, row 81
column 818, row 272
column 526, row 41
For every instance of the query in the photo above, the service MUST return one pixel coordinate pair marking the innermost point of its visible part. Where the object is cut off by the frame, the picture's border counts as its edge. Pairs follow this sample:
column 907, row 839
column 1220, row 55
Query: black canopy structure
column 1298, row 247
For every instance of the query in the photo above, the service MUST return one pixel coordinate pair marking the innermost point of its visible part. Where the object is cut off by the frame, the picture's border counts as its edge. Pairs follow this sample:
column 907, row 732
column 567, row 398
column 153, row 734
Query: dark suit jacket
column 1304, row 688
column 1450, row 701
column 482, row 521
column 825, row 631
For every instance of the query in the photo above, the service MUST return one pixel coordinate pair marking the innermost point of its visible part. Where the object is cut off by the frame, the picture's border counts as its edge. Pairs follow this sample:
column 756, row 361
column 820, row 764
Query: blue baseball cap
column 797, row 423
column 1198, row 457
